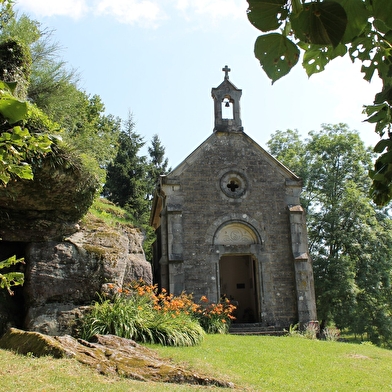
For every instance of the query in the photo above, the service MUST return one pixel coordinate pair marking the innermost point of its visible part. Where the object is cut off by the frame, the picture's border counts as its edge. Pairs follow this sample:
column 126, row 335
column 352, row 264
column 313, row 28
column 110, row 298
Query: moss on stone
column 31, row 342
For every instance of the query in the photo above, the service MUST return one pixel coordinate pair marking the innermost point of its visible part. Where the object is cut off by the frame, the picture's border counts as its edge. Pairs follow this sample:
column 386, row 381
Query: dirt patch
column 358, row 356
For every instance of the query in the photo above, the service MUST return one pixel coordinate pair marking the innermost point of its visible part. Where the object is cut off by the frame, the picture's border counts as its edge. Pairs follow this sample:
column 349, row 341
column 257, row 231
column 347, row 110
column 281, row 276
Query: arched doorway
column 238, row 269
column 237, row 283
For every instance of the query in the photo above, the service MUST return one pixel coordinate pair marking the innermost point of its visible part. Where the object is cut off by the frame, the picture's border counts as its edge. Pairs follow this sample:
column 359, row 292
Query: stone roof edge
column 194, row 154
column 225, row 82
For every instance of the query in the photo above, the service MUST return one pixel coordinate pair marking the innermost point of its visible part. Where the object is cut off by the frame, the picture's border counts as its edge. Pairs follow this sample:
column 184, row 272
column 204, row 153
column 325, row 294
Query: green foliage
column 11, row 108
column 10, row 279
column 349, row 239
column 146, row 315
column 6, row 12
column 215, row 318
column 126, row 183
column 157, row 164
column 15, row 64
column 17, row 145
column 53, row 89
column 256, row 363
column 332, row 334
column 109, row 213
column 309, row 331
column 140, row 314
column 324, row 30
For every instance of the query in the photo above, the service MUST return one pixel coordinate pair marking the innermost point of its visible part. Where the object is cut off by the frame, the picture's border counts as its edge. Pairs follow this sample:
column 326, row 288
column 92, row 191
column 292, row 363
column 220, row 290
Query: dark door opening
column 237, row 282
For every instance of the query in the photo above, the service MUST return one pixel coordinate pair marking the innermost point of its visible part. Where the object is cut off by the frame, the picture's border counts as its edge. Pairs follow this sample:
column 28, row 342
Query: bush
column 331, row 334
column 142, row 315
column 215, row 318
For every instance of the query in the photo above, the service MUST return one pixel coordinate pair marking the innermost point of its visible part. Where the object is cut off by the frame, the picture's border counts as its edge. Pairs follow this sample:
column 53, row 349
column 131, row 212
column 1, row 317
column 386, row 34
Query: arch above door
column 235, row 233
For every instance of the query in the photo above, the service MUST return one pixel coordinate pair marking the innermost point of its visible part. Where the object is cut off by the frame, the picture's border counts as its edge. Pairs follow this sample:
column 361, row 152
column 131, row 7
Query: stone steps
column 255, row 329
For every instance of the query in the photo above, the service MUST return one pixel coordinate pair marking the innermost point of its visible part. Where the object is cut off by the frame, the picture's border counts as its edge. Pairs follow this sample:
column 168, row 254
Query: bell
column 227, row 104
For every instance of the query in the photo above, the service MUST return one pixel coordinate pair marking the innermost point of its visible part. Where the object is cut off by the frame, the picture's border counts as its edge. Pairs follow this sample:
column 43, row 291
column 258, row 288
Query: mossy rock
column 108, row 354
column 49, row 206
column 34, row 343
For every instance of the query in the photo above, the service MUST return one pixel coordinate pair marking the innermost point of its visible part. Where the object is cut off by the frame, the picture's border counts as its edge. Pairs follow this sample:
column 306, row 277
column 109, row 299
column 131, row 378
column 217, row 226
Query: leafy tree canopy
column 323, row 30
column 350, row 240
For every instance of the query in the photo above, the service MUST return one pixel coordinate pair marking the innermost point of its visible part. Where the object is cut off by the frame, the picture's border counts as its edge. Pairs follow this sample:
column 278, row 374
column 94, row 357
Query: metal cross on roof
column 226, row 70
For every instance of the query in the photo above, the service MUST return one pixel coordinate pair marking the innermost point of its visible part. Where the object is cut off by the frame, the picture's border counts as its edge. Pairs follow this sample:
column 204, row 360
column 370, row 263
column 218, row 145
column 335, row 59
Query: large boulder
column 62, row 277
column 50, row 206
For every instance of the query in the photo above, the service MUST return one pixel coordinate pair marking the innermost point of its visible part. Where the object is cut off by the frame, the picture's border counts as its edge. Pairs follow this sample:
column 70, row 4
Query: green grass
column 109, row 213
column 291, row 364
column 253, row 363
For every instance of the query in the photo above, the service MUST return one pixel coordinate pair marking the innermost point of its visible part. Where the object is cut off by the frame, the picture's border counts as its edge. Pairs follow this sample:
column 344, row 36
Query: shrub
column 215, row 318
column 140, row 314
column 331, row 334
column 311, row 330
column 293, row 331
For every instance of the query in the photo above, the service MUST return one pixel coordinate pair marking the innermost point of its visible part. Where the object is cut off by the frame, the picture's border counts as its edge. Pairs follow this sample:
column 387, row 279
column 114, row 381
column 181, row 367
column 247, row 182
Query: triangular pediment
column 227, row 85
column 197, row 155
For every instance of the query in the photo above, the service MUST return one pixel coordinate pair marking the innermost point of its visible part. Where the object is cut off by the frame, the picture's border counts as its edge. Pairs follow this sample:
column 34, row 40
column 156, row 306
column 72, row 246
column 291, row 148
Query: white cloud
column 143, row 12
column 146, row 13
column 72, row 8
column 214, row 9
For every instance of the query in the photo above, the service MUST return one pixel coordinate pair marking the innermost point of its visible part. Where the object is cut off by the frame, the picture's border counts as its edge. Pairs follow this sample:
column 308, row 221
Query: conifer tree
column 158, row 164
column 126, row 183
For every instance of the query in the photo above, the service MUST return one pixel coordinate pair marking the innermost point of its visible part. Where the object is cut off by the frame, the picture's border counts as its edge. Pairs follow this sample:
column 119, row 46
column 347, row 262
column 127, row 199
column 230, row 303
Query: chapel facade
column 229, row 224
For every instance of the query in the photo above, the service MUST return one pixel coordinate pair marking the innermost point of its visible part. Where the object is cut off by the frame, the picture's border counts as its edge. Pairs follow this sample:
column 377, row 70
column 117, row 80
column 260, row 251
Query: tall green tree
column 53, row 87
column 322, row 30
column 126, row 178
column 157, row 164
column 348, row 236
column 91, row 132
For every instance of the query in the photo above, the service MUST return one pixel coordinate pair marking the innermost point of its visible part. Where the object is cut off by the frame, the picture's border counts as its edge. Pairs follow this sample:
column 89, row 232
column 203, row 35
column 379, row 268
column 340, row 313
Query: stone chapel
column 229, row 224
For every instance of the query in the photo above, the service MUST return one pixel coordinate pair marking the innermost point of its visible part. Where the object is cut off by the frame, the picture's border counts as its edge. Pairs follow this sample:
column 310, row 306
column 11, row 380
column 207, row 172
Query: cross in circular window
column 232, row 185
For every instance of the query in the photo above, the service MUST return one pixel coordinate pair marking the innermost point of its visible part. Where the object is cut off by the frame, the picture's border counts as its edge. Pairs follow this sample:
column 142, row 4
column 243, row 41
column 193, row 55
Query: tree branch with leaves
column 322, row 30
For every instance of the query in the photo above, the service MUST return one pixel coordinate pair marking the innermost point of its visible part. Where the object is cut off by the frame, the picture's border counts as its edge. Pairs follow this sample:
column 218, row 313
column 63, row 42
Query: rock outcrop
column 48, row 207
column 63, row 277
column 108, row 355
column 70, row 256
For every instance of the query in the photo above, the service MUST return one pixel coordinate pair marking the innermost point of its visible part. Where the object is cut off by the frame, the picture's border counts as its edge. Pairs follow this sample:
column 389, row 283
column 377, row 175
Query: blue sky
column 159, row 59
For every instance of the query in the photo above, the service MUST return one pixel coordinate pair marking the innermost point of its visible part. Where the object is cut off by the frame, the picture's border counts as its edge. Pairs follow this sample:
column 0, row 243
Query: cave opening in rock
column 12, row 307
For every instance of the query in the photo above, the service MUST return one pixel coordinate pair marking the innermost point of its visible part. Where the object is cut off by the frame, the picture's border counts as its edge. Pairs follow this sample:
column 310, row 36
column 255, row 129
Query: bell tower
column 227, row 105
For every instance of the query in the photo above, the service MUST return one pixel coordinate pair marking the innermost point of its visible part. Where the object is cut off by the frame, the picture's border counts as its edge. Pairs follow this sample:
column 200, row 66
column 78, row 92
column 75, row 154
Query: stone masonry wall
column 264, row 201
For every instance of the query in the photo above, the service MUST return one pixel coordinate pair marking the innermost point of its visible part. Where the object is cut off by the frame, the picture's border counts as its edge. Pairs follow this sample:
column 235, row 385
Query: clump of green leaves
column 323, row 30
column 309, row 331
column 332, row 334
column 17, row 144
column 15, row 64
column 10, row 279
column 142, row 315
column 215, row 318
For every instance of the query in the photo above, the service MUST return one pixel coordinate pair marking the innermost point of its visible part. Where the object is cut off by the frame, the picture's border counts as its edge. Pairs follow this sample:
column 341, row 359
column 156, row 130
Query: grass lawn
column 253, row 363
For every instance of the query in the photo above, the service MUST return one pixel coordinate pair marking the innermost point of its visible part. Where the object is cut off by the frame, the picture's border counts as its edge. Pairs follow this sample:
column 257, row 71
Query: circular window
column 233, row 184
